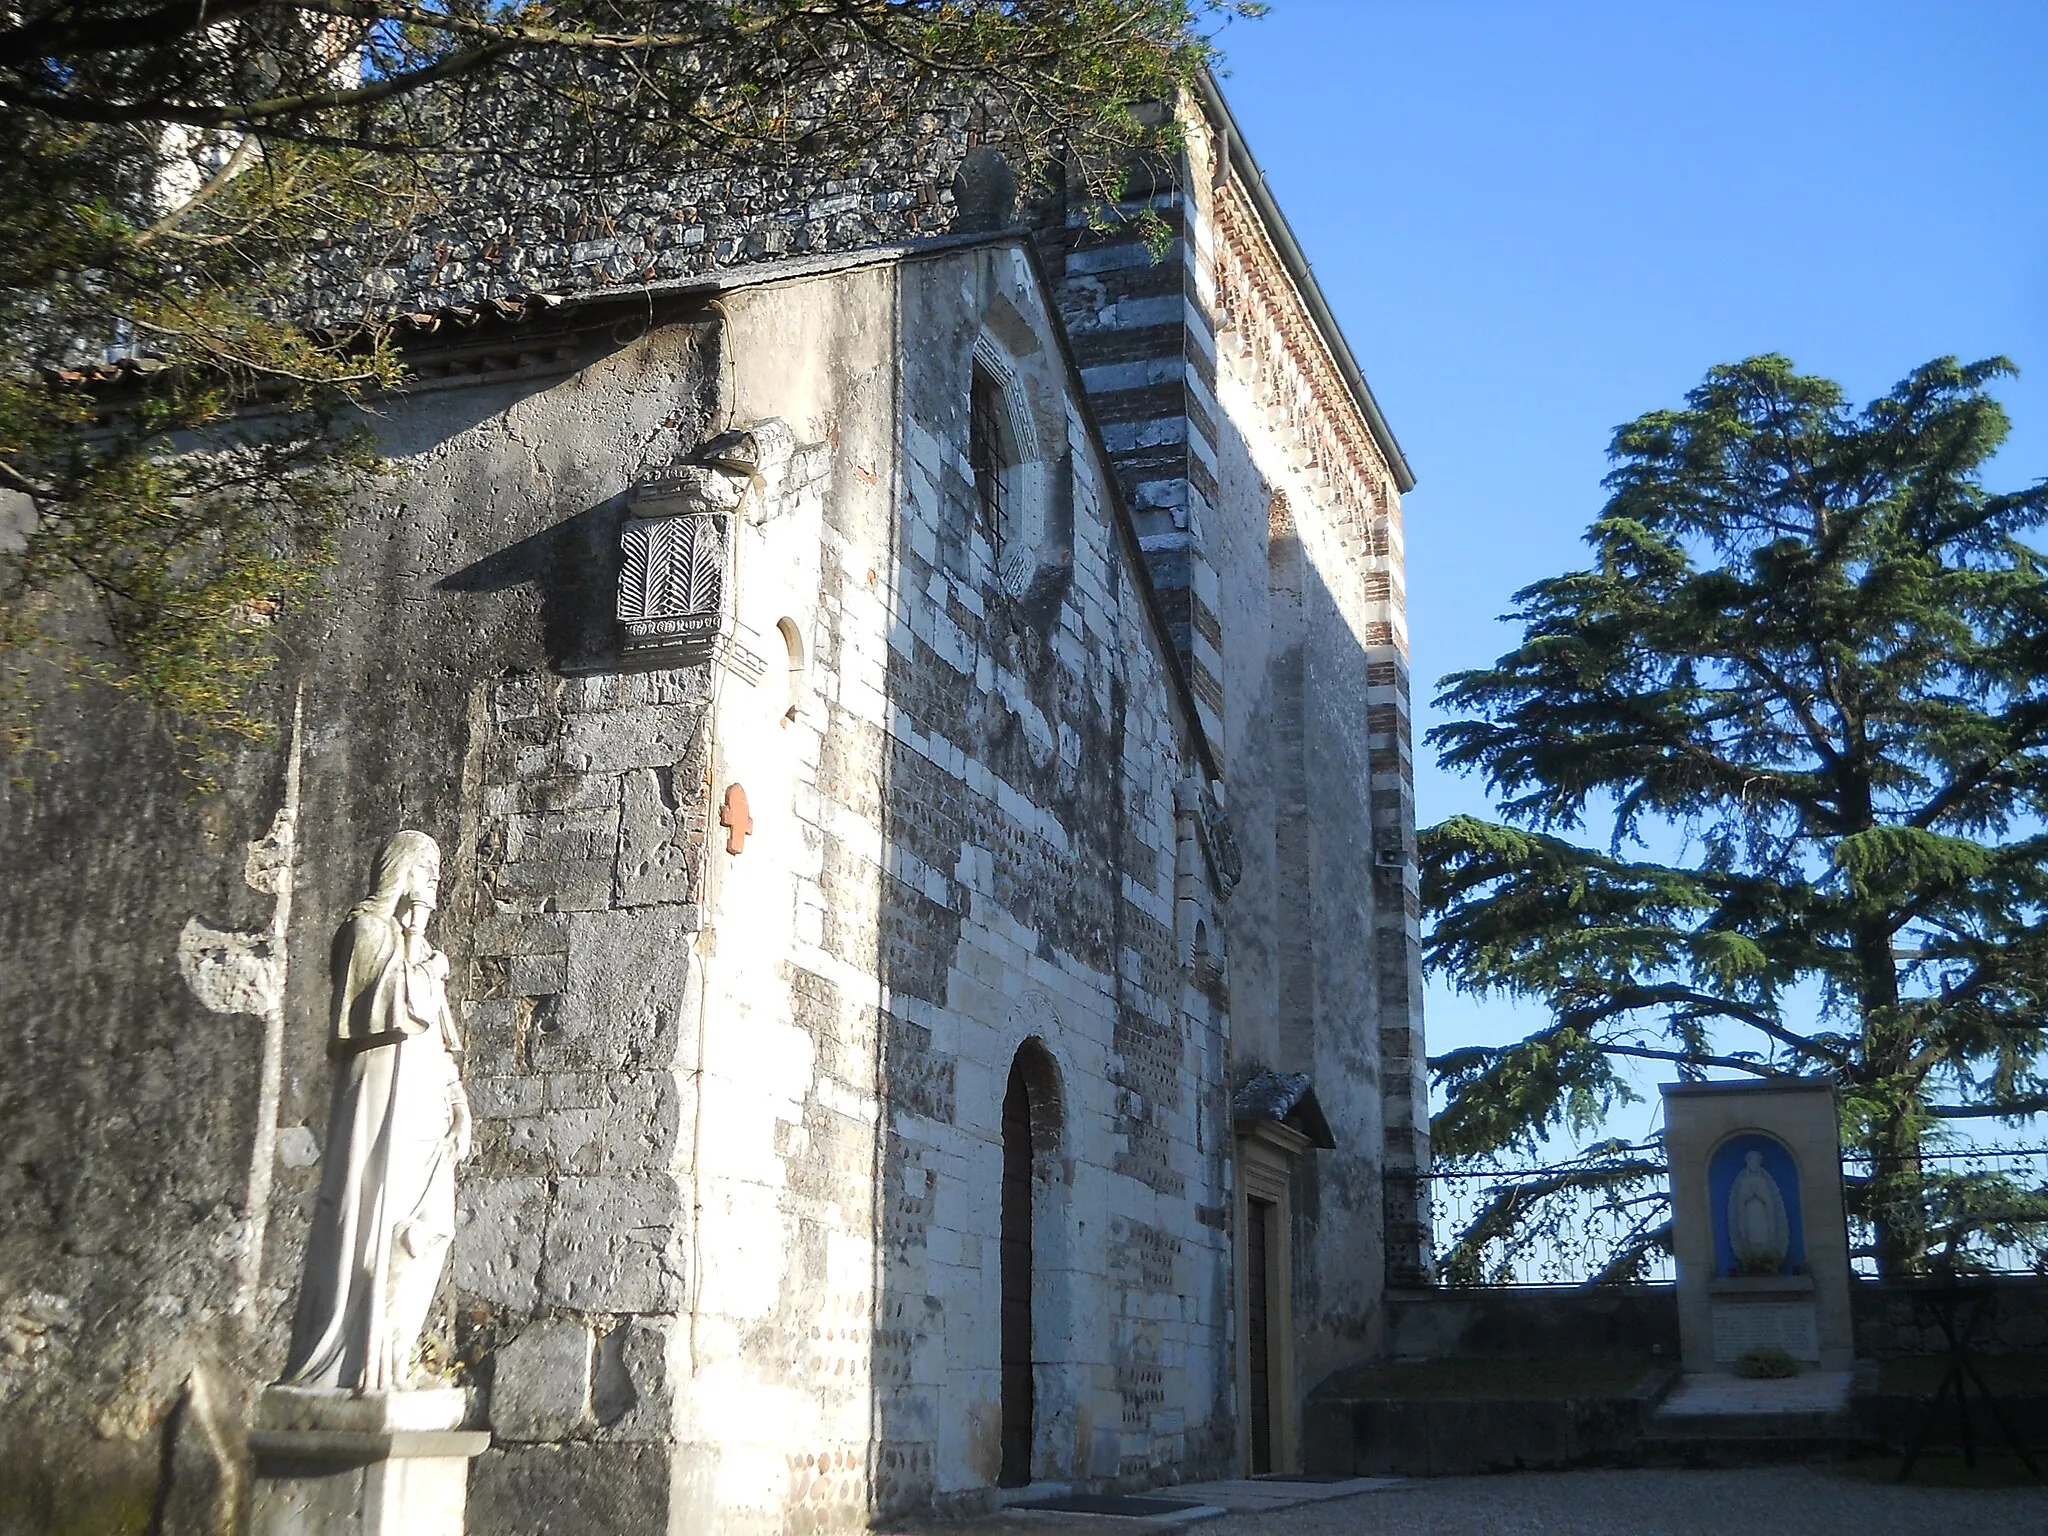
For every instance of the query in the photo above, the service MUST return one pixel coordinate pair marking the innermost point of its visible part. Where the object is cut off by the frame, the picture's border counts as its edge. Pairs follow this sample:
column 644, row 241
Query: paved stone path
column 1764, row 1501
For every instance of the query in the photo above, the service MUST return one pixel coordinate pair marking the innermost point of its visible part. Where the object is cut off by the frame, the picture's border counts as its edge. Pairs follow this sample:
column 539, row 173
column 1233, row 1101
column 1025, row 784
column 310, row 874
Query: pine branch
column 1810, row 641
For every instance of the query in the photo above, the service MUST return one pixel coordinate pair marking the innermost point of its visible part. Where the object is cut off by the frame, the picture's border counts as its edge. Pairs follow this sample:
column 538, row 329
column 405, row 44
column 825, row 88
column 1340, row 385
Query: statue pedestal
column 382, row 1464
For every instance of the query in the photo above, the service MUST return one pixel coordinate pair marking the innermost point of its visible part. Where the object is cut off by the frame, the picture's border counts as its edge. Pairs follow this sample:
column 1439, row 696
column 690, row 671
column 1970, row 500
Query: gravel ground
column 1765, row 1501
column 1769, row 1501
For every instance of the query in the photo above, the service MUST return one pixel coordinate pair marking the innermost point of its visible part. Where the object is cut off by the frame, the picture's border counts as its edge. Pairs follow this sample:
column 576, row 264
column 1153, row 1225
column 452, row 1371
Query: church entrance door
column 1258, row 1332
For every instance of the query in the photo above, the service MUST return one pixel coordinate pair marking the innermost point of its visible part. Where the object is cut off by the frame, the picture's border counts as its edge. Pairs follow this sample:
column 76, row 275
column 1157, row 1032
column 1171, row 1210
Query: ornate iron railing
column 1981, row 1210
column 1604, row 1218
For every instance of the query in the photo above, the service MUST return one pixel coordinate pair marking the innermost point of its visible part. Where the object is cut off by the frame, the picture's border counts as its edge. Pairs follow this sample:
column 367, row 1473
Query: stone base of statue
column 375, row 1464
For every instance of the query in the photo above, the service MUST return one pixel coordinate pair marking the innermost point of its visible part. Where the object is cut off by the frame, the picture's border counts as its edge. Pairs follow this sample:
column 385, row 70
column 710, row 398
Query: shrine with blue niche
column 1753, row 1198
column 1758, row 1225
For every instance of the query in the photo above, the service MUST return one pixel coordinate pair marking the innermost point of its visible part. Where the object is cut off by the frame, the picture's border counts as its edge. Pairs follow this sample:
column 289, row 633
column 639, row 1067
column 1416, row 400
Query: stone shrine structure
column 1758, row 1224
column 913, row 697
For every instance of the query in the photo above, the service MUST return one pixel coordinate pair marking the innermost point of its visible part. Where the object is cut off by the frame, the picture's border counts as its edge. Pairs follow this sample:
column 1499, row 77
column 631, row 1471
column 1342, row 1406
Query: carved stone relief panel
column 677, row 562
column 675, row 558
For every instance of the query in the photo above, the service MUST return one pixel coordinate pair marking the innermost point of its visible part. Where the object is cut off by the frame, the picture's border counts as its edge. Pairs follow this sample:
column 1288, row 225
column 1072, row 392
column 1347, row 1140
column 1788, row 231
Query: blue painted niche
column 1728, row 1160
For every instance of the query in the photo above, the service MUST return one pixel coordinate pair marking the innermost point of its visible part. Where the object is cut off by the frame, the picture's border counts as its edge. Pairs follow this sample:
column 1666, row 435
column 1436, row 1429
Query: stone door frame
column 1266, row 1155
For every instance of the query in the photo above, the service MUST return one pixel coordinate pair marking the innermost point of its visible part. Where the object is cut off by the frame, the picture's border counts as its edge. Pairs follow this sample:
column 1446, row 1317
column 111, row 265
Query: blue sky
column 1537, row 221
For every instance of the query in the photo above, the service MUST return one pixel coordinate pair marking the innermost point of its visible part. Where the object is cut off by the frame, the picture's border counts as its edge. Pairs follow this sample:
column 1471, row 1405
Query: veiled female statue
column 398, row 1124
column 1759, row 1233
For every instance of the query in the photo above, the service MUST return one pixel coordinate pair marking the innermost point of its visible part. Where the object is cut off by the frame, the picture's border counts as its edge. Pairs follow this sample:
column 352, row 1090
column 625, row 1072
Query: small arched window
column 793, row 642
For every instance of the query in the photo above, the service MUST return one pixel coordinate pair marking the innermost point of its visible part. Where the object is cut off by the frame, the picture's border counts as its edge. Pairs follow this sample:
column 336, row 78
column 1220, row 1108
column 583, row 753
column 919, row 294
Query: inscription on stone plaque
column 1788, row 1325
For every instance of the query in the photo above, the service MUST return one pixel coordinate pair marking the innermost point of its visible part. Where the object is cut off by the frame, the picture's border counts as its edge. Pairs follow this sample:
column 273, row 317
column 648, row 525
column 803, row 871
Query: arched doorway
column 1030, row 1134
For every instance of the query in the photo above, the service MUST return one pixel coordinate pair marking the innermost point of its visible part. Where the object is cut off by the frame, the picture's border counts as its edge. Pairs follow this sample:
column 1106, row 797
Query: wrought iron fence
column 1980, row 1209
column 1591, row 1221
column 1605, row 1218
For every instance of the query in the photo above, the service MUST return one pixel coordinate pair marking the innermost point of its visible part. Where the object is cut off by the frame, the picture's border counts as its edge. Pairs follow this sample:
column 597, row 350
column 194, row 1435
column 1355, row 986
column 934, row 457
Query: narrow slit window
column 990, row 455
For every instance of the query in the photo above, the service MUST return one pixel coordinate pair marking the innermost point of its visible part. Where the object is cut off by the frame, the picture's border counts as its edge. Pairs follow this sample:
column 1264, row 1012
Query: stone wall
column 1302, row 530
column 1265, row 493
column 1013, row 833
column 167, row 1087
column 760, row 1360
column 585, row 796
column 2012, row 1319
column 1269, row 514
column 963, row 834
column 1610, row 1322
column 991, row 801
column 704, row 1079
column 988, row 855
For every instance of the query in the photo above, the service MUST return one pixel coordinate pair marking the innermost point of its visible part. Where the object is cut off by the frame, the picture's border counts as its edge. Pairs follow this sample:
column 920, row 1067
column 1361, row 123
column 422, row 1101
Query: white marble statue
column 1759, row 1235
column 398, row 1125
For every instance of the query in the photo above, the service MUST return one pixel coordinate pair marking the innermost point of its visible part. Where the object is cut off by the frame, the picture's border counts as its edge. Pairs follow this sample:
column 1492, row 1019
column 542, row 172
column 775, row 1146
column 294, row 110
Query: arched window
column 793, row 642
column 1013, row 481
column 1031, row 1117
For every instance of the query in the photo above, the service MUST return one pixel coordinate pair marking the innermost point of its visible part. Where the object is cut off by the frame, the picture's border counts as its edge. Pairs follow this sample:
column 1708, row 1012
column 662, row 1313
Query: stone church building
column 915, row 709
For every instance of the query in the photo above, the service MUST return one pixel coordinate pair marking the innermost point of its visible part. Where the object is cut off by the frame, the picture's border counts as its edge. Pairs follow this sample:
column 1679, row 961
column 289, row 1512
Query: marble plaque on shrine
column 1741, row 1326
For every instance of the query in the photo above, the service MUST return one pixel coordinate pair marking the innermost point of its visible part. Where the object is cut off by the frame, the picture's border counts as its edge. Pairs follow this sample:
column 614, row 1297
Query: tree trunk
column 1898, row 1213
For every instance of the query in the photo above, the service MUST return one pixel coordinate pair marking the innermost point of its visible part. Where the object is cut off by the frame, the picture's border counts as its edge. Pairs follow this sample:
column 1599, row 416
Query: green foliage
column 166, row 170
column 188, row 520
column 1810, row 653
column 1766, row 1363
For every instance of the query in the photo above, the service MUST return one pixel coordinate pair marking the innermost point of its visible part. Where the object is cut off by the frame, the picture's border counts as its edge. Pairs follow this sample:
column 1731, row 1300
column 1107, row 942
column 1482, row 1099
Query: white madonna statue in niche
column 398, row 1124
column 1759, row 1235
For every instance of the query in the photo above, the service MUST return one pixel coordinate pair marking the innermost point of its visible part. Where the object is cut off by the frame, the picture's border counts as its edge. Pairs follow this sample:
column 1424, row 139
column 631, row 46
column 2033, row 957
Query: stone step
column 1749, row 1426
column 1133, row 1511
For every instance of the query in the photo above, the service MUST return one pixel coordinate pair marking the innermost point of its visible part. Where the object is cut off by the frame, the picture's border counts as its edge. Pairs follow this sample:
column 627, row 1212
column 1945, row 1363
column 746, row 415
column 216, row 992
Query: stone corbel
column 771, row 447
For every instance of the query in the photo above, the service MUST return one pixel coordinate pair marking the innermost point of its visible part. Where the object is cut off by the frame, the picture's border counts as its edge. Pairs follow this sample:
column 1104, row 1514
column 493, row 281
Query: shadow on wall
column 1332, row 990
column 561, row 565
column 565, row 563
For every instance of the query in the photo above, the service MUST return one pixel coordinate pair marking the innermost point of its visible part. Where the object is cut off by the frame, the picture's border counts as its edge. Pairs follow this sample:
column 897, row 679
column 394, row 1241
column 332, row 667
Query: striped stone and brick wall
column 1146, row 344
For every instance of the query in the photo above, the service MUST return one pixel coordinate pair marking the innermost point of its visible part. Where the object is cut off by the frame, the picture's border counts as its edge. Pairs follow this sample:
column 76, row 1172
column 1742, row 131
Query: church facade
column 917, row 732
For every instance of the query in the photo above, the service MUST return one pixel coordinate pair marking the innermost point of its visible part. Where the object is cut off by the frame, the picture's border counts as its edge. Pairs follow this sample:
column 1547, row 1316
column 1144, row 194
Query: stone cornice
column 1237, row 166
column 1260, row 312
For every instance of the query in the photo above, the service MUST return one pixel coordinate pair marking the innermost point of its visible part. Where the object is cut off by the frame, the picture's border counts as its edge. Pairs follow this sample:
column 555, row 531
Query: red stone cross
column 736, row 819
